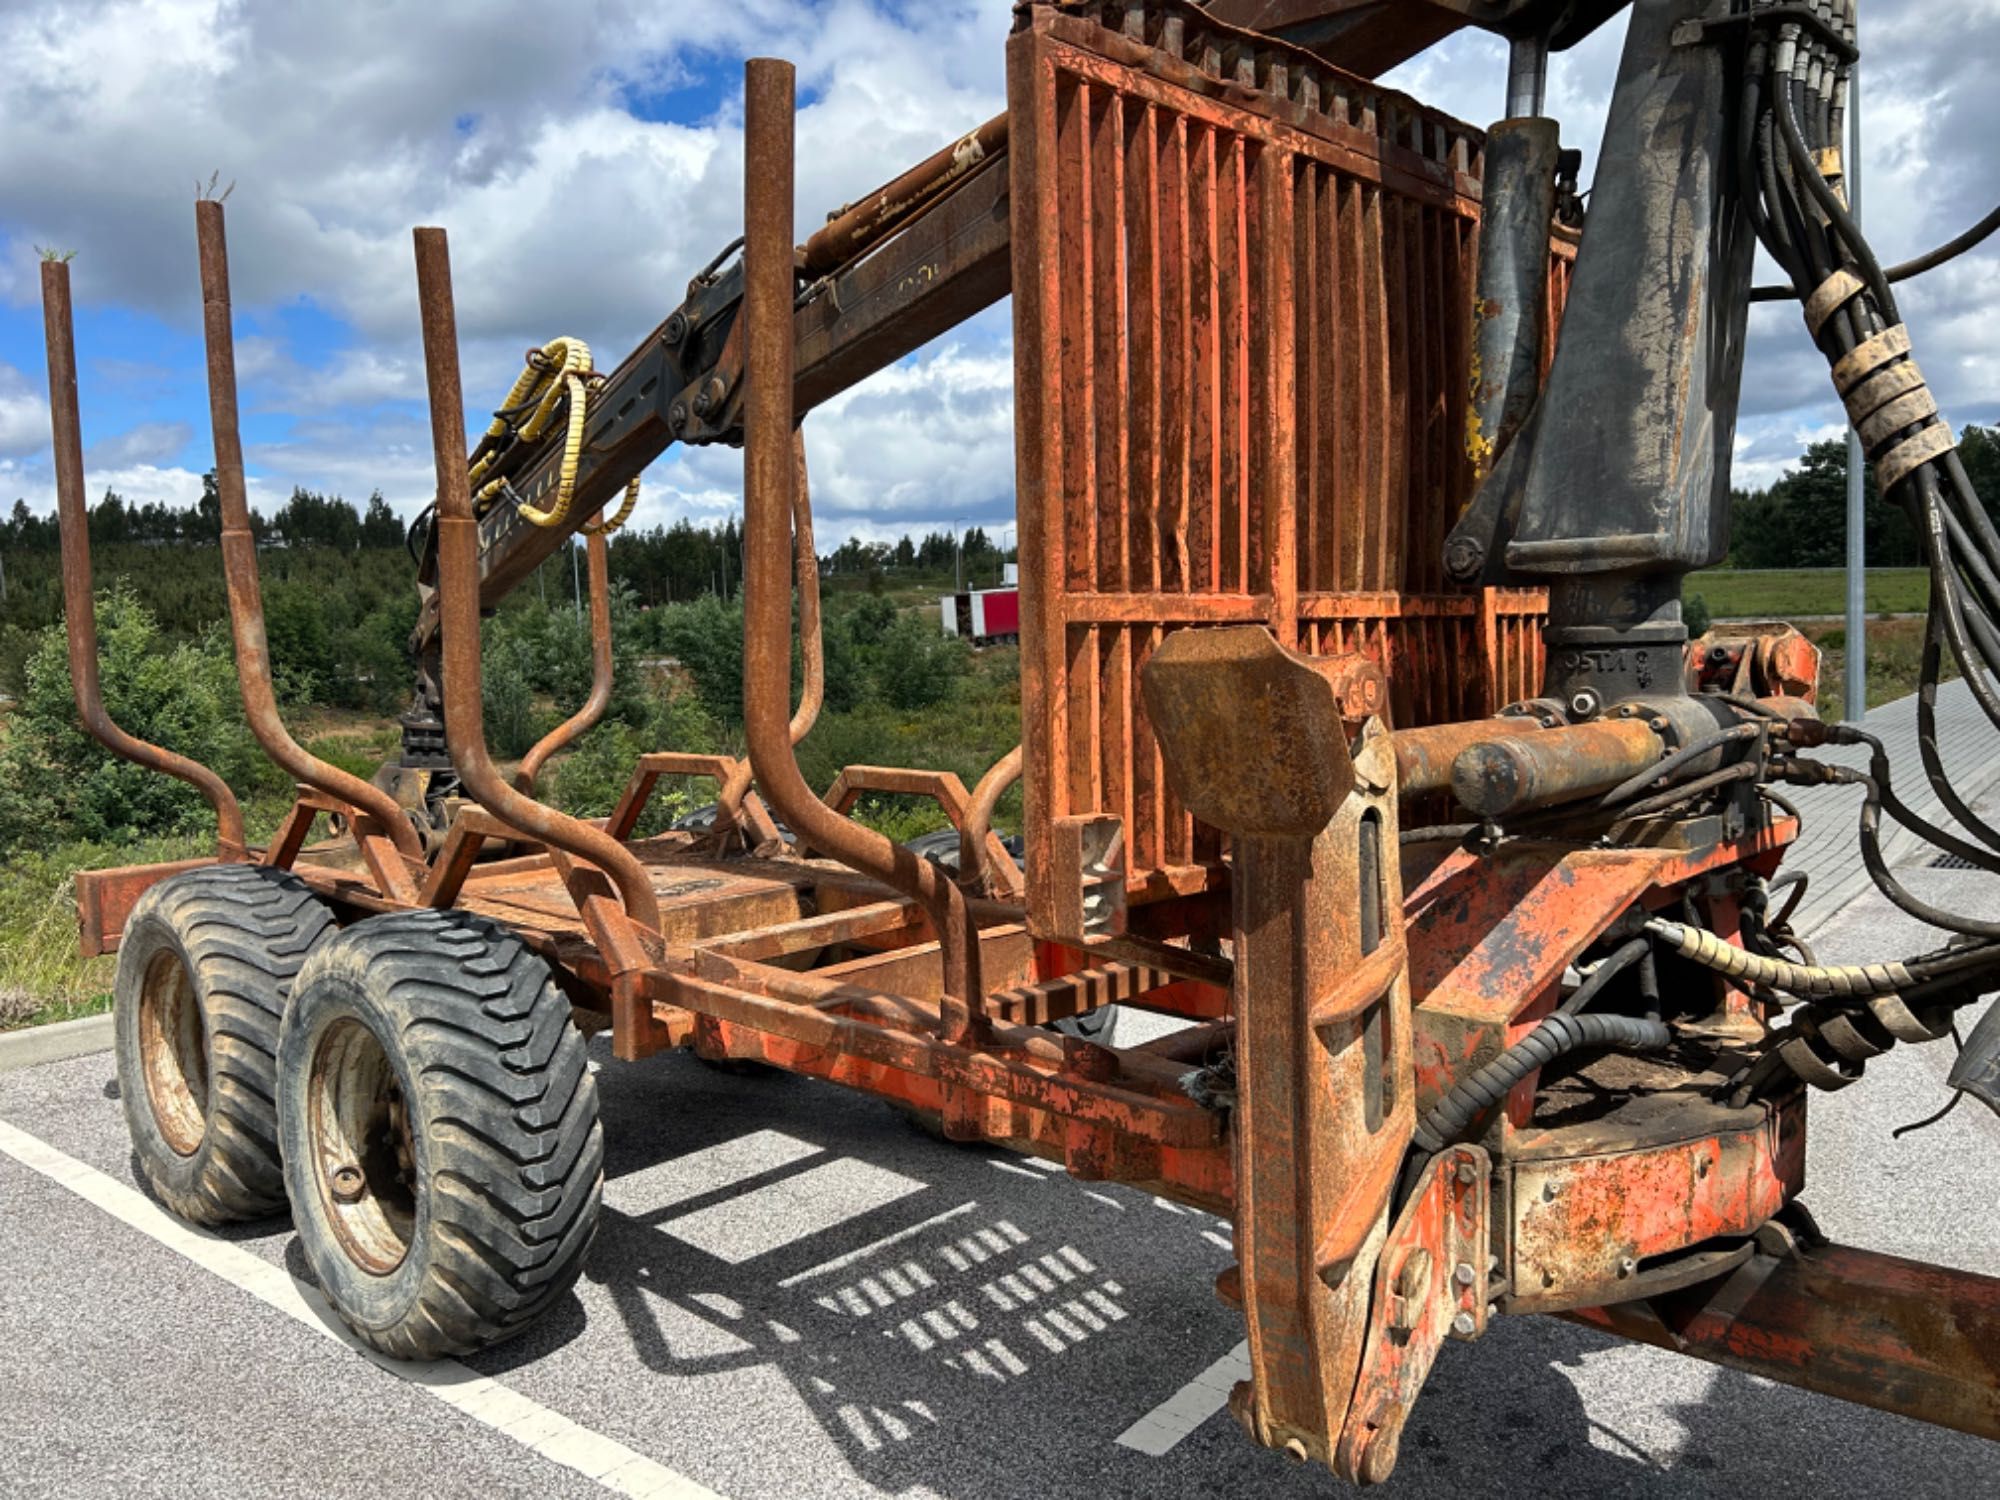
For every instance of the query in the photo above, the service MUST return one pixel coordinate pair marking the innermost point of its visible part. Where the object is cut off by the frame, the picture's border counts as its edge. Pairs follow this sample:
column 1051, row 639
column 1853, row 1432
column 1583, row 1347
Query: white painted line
column 842, row 1262
column 1156, row 1433
column 768, row 1218
column 484, row 1400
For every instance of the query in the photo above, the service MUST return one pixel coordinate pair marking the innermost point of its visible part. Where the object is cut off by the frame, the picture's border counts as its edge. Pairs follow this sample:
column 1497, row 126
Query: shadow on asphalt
column 999, row 1351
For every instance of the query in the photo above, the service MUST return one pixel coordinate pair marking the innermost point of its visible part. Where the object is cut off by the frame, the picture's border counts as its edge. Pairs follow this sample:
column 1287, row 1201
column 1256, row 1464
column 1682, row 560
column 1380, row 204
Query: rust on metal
column 1514, row 772
column 769, row 476
column 1920, row 1340
column 105, row 898
column 1597, row 1209
column 1431, row 1285
column 941, row 787
column 79, row 604
column 1221, row 700
column 586, row 718
column 812, row 646
column 1243, row 342
column 458, row 588
column 1240, row 306
column 975, row 834
column 1424, row 757
column 861, row 225
column 1324, row 1110
column 239, row 562
column 725, row 770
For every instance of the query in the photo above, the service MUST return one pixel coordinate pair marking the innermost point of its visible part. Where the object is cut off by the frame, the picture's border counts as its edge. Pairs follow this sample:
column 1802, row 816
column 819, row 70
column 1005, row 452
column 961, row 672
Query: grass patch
column 1895, row 662
column 1788, row 594
column 43, row 975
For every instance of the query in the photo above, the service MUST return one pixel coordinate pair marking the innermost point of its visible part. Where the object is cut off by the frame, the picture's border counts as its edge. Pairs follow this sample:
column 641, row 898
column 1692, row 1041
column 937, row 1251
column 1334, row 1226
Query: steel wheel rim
column 361, row 1149
column 173, row 1052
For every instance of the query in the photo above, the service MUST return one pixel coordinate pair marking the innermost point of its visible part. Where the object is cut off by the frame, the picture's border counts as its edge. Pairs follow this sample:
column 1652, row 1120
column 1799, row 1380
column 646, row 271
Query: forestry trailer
column 1361, row 731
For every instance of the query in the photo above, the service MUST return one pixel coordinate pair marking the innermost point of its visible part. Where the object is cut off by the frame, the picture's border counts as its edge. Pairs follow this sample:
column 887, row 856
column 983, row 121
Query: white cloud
column 24, row 414
column 519, row 126
column 147, row 443
column 135, row 483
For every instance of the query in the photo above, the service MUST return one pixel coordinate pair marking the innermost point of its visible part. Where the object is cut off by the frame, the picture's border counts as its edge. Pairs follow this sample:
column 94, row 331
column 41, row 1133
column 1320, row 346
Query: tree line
column 338, row 601
column 305, row 520
column 1801, row 521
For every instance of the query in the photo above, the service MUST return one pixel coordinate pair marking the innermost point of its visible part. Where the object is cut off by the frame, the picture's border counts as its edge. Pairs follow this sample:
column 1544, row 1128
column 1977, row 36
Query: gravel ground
column 1013, row 1327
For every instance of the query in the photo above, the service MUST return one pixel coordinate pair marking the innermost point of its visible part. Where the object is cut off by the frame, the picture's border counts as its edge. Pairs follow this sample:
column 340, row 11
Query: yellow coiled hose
column 560, row 370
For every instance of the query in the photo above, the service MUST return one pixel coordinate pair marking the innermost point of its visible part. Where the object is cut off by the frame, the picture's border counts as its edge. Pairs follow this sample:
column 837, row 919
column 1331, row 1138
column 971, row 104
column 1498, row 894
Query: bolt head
column 1464, row 1325
column 1463, row 558
column 1463, row 1273
column 704, row 403
column 1627, row 1265
column 677, row 416
column 1467, row 1173
column 676, row 329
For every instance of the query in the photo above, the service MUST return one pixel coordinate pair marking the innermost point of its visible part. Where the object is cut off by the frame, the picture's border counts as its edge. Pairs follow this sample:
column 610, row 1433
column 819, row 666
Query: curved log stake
column 79, row 606
column 974, row 869
column 239, row 561
column 812, row 645
column 769, row 485
column 458, row 598
column 585, row 718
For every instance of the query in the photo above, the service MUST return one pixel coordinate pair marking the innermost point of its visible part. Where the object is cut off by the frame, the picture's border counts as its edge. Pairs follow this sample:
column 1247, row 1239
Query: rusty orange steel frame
column 1242, row 290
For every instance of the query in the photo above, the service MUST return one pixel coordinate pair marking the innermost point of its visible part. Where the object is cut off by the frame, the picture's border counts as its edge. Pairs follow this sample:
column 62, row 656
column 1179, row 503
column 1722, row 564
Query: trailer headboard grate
column 1242, row 294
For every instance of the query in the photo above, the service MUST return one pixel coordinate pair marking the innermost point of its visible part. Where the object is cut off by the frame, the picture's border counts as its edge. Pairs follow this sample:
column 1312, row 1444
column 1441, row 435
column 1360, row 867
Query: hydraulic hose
column 1451, row 1118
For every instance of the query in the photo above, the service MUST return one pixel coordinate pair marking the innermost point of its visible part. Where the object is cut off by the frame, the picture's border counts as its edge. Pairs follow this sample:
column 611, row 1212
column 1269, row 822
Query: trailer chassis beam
column 1919, row 1340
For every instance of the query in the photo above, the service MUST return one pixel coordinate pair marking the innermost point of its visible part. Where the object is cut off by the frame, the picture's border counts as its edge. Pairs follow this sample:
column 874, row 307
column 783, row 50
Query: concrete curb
column 54, row 1042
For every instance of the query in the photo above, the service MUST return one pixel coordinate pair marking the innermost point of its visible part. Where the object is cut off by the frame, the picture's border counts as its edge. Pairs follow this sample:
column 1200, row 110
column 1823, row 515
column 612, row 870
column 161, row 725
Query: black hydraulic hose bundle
column 1452, row 1117
column 1793, row 116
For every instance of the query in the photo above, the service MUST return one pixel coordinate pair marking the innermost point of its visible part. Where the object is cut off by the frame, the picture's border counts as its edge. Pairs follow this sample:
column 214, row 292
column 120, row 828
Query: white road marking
column 536, row 1427
column 1160, row 1429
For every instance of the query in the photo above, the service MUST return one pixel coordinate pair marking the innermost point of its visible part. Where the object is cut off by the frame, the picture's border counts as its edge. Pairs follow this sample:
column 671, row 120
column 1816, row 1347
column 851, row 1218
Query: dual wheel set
column 411, row 1086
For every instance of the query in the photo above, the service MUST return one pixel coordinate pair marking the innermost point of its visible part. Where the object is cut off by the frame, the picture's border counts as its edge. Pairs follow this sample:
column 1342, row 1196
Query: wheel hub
column 173, row 1050
column 363, row 1155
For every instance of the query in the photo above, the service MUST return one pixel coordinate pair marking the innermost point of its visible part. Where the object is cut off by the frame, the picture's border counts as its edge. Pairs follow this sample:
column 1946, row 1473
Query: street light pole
column 1855, row 697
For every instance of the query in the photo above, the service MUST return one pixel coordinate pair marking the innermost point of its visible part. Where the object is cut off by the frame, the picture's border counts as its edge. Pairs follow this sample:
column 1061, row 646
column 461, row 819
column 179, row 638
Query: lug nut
column 347, row 1183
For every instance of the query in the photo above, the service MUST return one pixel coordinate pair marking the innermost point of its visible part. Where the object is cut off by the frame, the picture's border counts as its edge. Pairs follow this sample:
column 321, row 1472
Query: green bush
column 57, row 784
column 918, row 666
column 1695, row 612
column 507, row 694
column 707, row 639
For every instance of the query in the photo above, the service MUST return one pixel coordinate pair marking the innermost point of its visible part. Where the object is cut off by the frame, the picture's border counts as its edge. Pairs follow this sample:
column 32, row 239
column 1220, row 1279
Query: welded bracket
column 1430, row 1285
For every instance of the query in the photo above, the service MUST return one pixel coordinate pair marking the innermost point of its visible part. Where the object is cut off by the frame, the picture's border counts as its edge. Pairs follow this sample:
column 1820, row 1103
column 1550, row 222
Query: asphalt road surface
column 795, row 1293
